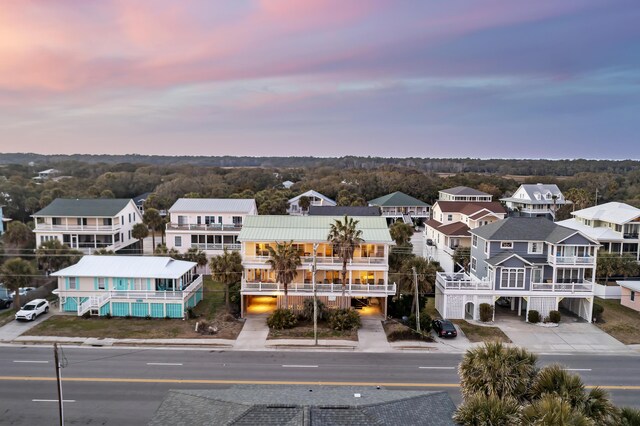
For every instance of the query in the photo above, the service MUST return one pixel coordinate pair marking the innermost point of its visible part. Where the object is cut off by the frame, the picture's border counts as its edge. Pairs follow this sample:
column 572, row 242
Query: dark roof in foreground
column 304, row 405
column 397, row 199
column 344, row 210
column 77, row 207
column 524, row 229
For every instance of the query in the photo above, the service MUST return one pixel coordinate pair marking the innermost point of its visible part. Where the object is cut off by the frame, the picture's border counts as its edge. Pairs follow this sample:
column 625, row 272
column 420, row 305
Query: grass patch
column 396, row 332
column 619, row 321
column 430, row 307
column 304, row 330
column 6, row 316
column 213, row 300
column 479, row 333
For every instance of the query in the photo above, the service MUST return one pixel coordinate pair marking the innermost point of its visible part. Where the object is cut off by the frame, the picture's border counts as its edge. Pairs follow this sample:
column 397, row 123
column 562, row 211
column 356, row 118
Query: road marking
column 52, row 400
column 299, row 366
column 164, row 363
column 437, row 368
column 261, row 382
column 34, row 362
column 577, row 369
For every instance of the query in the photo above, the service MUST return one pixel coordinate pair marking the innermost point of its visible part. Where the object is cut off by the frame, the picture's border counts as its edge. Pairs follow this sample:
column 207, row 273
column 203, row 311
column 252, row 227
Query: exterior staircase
column 93, row 304
column 406, row 218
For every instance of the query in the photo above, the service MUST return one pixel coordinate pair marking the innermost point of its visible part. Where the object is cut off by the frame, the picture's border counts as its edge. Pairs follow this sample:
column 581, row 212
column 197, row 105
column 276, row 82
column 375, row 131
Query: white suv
column 31, row 310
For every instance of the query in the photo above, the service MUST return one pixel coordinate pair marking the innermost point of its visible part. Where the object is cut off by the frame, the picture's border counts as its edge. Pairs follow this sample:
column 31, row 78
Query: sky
column 429, row 78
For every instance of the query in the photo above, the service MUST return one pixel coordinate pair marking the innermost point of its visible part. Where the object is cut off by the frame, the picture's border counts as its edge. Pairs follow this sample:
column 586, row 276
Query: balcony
column 630, row 236
column 165, row 295
column 461, row 281
column 204, row 227
column 585, row 286
column 77, row 228
column 325, row 260
column 307, row 288
column 206, row 247
column 571, row 260
column 413, row 211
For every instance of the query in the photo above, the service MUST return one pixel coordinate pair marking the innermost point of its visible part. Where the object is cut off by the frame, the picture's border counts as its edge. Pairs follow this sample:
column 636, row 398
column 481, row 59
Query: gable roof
column 463, row 190
column 344, row 210
column 83, row 207
column 613, row 212
column 312, row 193
column 304, row 405
column 542, row 189
column 397, row 199
column 309, row 228
column 470, row 207
column 599, row 233
column 140, row 199
column 504, row 256
column 213, row 205
column 631, row 285
column 525, row 229
column 127, row 266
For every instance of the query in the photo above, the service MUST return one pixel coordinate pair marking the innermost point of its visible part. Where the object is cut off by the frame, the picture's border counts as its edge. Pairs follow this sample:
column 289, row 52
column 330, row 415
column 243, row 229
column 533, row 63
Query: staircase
column 93, row 304
column 406, row 218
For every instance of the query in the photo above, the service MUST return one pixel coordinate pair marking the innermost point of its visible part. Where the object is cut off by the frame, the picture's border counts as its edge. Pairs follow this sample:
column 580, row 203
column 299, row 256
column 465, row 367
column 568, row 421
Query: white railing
column 307, row 288
column 207, row 246
column 462, row 281
column 93, row 302
column 585, row 286
column 572, row 260
column 400, row 212
column 326, row 260
column 92, row 228
column 205, row 227
column 165, row 295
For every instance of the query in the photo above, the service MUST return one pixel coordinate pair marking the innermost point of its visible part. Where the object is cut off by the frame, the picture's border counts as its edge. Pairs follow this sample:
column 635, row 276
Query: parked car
column 444, row 328
column 429, row 242
column 23, row 291
column 5, row 298
column 504, row 302
column 31, row 310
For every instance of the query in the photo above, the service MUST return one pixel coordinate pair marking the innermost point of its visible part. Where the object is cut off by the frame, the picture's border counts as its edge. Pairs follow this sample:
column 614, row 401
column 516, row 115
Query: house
column 367, row 273
column 344, row 211
column 532, row 263
column 312, row 405
column 139, row 201
column 630, row 294
column 399, row 205
column 209, row 224
column 536, row 200
column 315, row 199
column 89, row 224
column 3, row 220
column 616, row 226
column 47, row 174
column 287, row 184
column 138, row 286
column 464, row 193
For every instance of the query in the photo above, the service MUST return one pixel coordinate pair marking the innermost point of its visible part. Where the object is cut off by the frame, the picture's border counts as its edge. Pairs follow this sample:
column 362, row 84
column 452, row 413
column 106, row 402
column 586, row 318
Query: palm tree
column 304, row 202
column 345, row 237
column 53, row 255
column 401, row 233
column 153, row 220
column 479, row 409
column 284, row 261
column 552, row 410
column 226, row 268
column 16, row 273
column 196, row 255
column 140, row 231
column 426, row 271
column 18, row 234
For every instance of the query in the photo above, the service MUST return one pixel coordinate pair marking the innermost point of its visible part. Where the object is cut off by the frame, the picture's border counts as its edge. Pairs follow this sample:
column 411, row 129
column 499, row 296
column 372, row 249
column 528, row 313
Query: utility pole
column 415, row 281
column 59, row 382
column 315, row 295
column 596, row 196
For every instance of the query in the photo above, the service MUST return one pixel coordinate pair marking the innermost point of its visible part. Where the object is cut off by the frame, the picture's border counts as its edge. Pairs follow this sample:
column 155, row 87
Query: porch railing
column 572, row 260
column 307, row 288
column 461, row 281
column 205, row 227
column 208, row 246
column 325, row 260
column 585, row 286
column 74, row 227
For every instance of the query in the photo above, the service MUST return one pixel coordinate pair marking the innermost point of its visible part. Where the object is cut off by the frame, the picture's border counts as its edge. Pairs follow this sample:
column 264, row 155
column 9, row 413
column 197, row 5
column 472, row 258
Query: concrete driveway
column 14, row 329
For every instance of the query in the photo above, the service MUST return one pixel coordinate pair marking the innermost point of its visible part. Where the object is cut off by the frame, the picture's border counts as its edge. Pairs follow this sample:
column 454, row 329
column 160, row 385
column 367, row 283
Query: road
column 122, row 386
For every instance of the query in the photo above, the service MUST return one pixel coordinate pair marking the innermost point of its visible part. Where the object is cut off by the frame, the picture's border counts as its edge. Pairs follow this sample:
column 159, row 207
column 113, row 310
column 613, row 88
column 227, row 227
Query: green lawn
column 619, row 321
column 479, row 333
column 6, row 316
column 304, row 330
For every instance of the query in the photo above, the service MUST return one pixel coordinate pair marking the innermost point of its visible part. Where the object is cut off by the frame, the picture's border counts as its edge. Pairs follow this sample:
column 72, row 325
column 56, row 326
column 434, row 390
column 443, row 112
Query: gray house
column 536, row 200
column 532, row 263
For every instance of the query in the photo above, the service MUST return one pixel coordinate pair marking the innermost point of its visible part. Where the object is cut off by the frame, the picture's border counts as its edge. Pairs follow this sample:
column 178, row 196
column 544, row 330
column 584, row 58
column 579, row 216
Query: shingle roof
column 463, row 190
column 614, row 212
column 344, row 210
column 84, row 207
column 524, row 229
column 542, row 189
column 141, row 198
column 308, row 228
column 397, row 199
column 312, row 193
column 308, row 405
column 127, row 266
column 455, row 229
column 214, row 205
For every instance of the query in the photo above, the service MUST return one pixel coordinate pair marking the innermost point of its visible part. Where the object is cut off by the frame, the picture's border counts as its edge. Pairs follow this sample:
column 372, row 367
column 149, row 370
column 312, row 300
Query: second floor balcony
column 571, row 260
column 400, row 211
column 325, row 260
column 306, row 288
column 579, row 286
column 76, row 227
column 204, row 226
column 461, row 281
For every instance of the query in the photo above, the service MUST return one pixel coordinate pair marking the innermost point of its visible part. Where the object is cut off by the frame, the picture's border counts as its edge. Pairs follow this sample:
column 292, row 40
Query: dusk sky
column 492, row 78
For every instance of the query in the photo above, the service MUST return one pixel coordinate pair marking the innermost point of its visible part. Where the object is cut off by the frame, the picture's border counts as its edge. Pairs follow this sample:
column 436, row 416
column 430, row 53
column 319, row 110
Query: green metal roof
column 101, row 207
column 309, row 228
column 397, row 199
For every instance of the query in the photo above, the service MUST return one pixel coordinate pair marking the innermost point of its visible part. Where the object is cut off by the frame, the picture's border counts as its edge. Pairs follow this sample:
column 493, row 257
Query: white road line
column 33, row 362
column 52, row 400
column 164, row 363
column 299, row 366
column 438, row 368
column 577, row 369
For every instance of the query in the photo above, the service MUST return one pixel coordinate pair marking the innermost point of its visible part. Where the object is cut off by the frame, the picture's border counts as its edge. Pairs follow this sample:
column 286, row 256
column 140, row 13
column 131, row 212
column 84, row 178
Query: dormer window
column 506, row 245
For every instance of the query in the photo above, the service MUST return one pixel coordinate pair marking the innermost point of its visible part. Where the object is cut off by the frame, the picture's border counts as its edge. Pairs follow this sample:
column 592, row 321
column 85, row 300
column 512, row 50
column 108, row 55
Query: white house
column 315, row 198
column 138, row 286
column 209, row 224
column 399, row 205
column 89, row 224
column 47, row 174
column 464, row 193
column 535, row 200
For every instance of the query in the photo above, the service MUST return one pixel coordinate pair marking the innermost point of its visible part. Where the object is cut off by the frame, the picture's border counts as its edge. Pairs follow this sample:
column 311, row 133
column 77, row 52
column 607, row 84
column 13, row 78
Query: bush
column 533, row 317
column 344, row 319
column 147, row 317
column 281, row 319
column 597, row 312
column 108, row 315
column 486, row 312
column 407, row 334
column 425, row 322
column 86, row 315
column 554, row 316
column 307, row 310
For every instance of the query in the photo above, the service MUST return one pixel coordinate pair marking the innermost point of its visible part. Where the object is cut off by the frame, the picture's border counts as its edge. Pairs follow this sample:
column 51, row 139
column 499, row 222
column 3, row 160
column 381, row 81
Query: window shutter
column 95, row 283
column 66, row 282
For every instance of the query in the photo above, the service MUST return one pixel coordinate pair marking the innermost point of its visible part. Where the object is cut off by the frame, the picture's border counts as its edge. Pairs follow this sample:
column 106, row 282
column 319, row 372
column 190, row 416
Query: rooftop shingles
column 84, row 207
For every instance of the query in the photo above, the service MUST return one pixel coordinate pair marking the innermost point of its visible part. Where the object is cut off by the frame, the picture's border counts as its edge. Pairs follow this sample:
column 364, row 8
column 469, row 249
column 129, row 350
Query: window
column 237, row 220
column 486, row 247
column 535, row 247
column 208, row 220
column 73, row 283
column 102, row 285
column 56, row 221
column 512, row 278
column 219, row 219
column 178, row 242
column 506, row 244
column 81, row 221
column 633, row 296
column 474, row 263
column 116, row 238
column 129, row 217
column 107, row 221
column 129, row 234
column 474, row 240
column 449, row 217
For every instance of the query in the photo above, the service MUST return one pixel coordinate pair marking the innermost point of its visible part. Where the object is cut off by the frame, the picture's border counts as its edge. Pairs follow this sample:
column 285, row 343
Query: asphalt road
column 124, row 386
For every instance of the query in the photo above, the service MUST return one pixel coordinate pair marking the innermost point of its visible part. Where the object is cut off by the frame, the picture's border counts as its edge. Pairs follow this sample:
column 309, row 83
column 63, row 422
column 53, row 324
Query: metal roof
column 312, row 193
column 127, row 266
column 397, row 199
column 344, row 210
column 309, row 228
column 84, row 207
column 463, row 190
column 214, row 205
column 599, row 233
column 613, row 212
column 631, row 285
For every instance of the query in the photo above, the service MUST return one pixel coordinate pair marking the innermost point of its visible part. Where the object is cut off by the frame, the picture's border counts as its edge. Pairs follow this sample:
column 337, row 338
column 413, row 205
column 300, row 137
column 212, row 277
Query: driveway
column 15, row 328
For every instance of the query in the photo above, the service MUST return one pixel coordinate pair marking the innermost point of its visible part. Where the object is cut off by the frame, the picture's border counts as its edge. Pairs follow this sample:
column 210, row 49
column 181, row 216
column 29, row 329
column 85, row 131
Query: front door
column 121, row 284
column 74, row 241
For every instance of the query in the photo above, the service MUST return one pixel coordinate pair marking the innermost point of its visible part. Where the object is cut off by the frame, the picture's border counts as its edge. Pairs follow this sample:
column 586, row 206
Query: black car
column 444, row 328
column 5, row 298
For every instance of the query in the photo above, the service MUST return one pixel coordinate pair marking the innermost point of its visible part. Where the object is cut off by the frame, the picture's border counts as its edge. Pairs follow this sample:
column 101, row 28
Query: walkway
column 253, row 336
column 371, row 336
column 14, row 329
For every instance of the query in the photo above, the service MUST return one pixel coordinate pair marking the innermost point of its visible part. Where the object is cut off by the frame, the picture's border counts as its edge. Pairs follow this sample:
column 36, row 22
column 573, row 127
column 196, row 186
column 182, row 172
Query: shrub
column 108, row 315
column 281, row 319
column 554, row 316
column 344, row 319
column 127, row 316
column 407, row 334
column 307, row 310
column 533, row 316
column 597, row 312
column 147, row 317
column 86, row 315
column 486, row 312
column 425, row 322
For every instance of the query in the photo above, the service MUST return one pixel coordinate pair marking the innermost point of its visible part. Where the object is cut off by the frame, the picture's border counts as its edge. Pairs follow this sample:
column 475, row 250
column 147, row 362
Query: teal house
column 137, row 286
